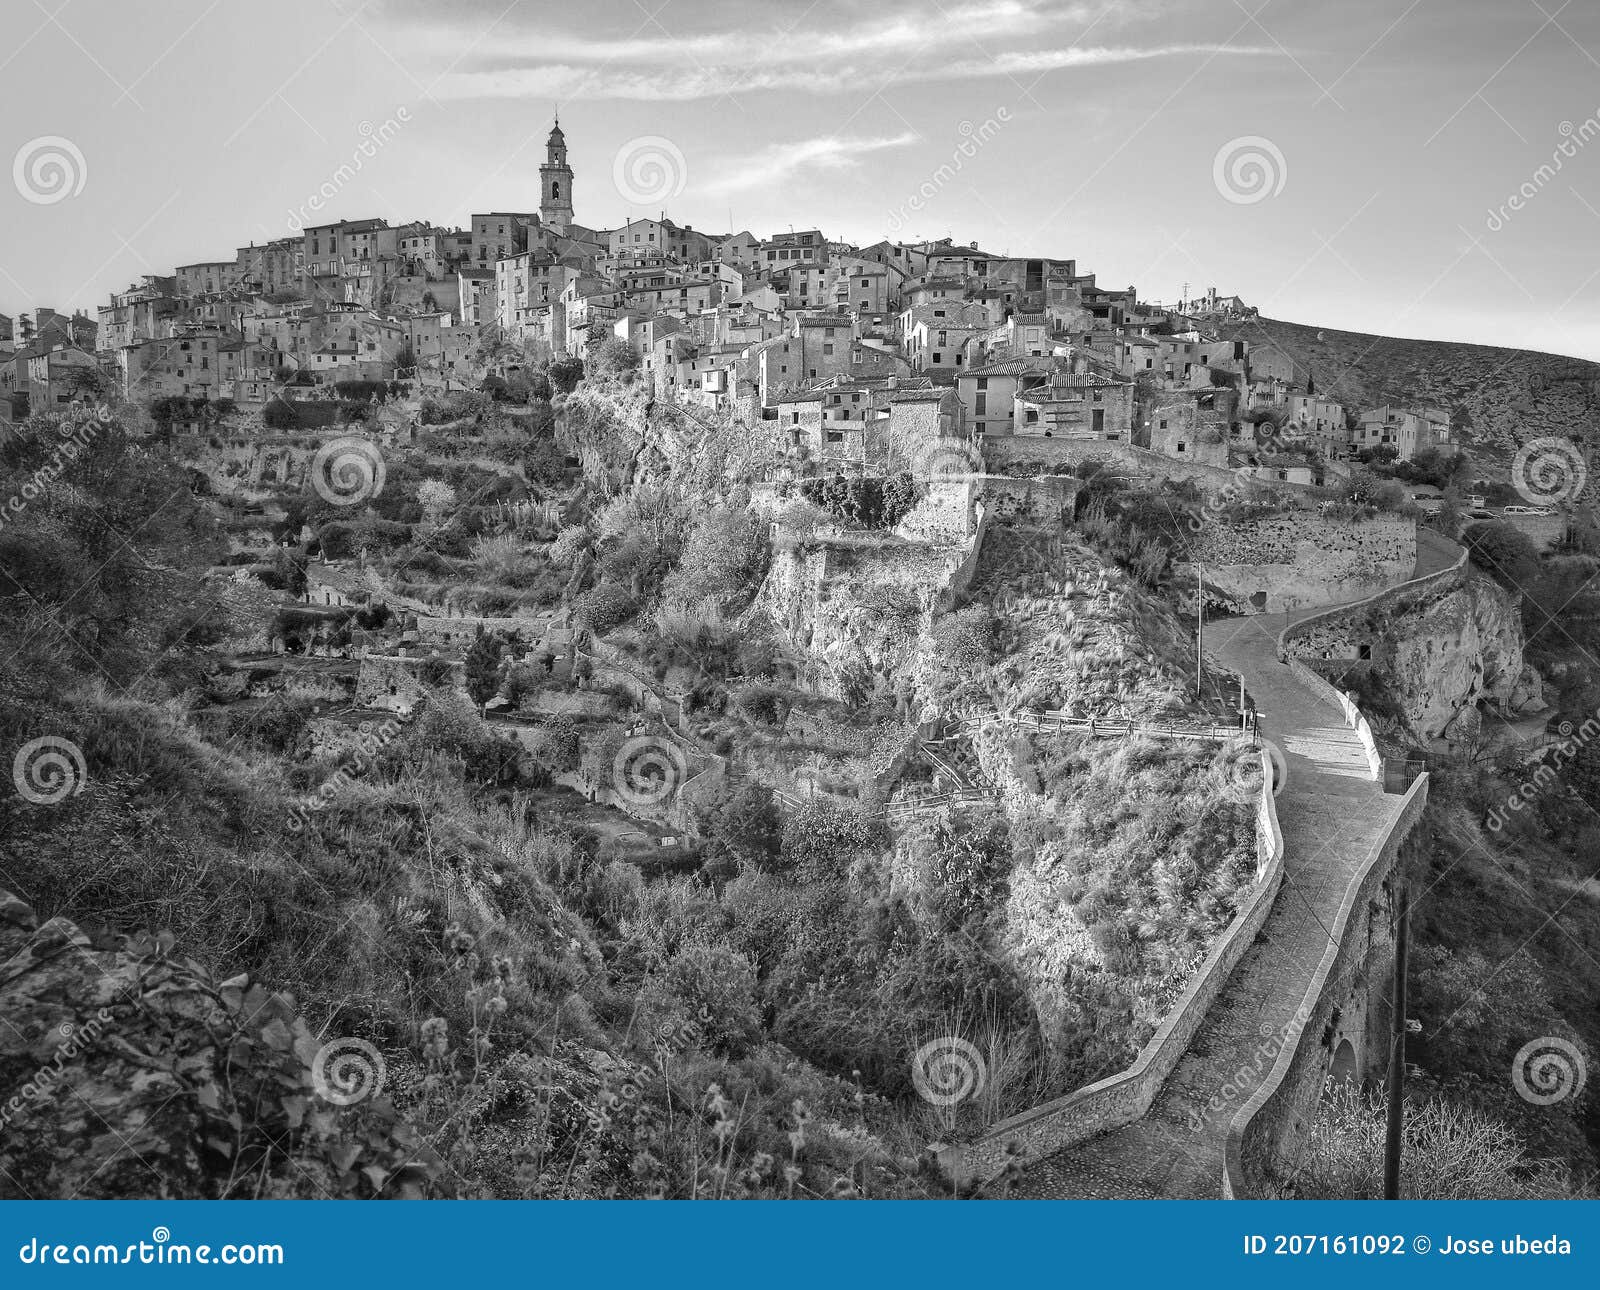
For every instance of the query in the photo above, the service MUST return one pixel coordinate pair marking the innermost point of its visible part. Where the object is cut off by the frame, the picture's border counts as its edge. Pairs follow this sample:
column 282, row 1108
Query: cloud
column 826, row 49
column 567, row 83
column 784, row 160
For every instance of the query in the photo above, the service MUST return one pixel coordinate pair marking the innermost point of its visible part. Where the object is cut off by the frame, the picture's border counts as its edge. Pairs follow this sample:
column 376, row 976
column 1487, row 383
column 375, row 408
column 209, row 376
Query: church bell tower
column 555, row 183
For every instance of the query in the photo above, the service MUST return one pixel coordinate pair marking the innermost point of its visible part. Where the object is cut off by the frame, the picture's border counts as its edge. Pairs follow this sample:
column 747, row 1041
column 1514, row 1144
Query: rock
column 1527, row 695
column 1453, row 653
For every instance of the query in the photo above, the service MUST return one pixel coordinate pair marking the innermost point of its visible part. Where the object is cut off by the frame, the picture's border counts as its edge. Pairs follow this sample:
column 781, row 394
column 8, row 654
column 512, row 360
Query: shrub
column 601, row 608
column 279, row 414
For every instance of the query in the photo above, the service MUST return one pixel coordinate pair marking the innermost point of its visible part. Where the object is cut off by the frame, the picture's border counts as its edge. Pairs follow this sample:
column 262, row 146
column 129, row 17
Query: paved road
column 1331, row 813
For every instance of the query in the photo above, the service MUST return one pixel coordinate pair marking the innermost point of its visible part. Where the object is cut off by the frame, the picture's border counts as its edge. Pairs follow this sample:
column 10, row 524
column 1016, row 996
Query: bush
column 279, row 415
column 601, row 608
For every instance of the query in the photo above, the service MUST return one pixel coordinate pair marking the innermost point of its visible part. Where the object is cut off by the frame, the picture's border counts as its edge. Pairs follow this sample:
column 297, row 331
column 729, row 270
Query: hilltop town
column 831, row 342
column 959, row 714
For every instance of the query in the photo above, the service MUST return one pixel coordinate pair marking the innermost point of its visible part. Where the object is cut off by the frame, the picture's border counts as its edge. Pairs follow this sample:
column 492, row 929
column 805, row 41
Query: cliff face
column 1446, row 656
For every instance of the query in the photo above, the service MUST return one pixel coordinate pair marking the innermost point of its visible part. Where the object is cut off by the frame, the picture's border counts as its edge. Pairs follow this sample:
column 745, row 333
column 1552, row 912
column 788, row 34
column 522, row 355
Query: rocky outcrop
column 1439, row 651
column 1446, row 657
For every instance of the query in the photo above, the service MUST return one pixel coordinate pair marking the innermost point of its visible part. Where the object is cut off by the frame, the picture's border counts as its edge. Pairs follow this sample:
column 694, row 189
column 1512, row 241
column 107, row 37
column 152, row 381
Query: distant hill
column 1504, row 397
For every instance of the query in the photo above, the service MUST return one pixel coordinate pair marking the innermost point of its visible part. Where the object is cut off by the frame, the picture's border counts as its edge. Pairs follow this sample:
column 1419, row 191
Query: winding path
column 1331, row 813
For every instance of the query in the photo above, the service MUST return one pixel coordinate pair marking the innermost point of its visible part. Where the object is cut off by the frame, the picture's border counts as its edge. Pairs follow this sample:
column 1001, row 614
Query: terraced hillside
column 1504, row 397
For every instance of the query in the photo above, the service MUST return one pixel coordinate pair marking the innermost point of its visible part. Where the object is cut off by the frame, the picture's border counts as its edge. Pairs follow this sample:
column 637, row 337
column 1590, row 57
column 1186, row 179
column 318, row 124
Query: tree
column 482, row 664
column 742, row 828
column 565, row 374
column 614, row 358
column 1450, row 1152
column 1506, row 553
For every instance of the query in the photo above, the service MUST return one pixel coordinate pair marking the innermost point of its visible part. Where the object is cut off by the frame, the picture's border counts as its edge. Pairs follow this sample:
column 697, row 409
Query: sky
column 1425, row 168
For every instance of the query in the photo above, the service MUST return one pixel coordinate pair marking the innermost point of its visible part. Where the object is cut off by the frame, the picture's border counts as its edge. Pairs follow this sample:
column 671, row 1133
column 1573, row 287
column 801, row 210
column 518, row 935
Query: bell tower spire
column 555, row 182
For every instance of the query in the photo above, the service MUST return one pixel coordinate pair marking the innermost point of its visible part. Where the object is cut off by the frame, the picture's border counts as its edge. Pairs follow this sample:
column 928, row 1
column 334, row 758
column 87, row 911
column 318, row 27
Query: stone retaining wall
column 1339, row 631
column 1125, row 1097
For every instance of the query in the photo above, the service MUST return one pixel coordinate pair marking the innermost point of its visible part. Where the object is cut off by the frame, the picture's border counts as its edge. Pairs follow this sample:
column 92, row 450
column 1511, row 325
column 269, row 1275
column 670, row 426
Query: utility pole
column 1199, row 632
column 1397, row 1052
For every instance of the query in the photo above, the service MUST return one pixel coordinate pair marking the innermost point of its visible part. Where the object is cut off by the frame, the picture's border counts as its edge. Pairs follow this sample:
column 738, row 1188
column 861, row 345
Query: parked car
column 1528, row 510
